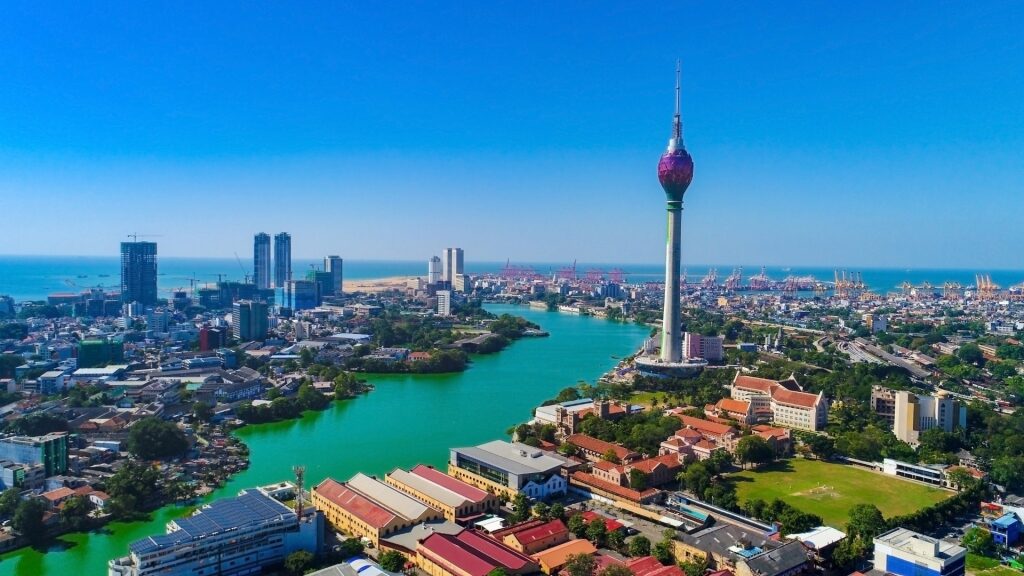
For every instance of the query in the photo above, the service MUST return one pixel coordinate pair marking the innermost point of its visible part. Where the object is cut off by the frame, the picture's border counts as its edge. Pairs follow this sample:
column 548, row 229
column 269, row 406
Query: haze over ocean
column 34, row 277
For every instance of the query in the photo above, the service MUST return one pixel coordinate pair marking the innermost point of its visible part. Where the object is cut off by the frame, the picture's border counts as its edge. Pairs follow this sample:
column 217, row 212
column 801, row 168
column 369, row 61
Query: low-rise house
column 553, row 559
column 596, row 450
column 537, row 538
column 469, row 553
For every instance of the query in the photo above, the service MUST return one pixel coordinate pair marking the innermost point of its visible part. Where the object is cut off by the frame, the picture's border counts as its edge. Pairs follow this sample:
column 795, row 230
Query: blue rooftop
column 1006, row 520
column 250, row 508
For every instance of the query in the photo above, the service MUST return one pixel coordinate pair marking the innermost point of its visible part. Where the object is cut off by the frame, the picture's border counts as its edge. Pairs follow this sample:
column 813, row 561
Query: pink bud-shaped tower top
column 675, row 169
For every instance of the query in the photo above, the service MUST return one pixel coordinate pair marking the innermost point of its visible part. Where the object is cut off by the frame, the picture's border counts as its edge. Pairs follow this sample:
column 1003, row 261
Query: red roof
column 354, row 503
column 801, row 399
column 471, row 553
column 546, row 530
column 648, row 465
column 765, row 431
column 467, row 491
column 59, row 494
column 649, row 566
column 610, row 524
column 705, row 426
column 756, row 384
column 599, row 446
column 591, row 480
column 731, row 405
column 516, row 528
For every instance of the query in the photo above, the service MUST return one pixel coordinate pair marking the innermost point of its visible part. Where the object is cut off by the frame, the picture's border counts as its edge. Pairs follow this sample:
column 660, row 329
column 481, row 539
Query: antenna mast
column 300, row 475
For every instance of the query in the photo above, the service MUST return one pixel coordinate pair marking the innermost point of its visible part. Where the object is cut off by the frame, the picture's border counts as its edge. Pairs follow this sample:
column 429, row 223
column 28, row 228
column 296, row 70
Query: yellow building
column 367, row 508
column 457, row 500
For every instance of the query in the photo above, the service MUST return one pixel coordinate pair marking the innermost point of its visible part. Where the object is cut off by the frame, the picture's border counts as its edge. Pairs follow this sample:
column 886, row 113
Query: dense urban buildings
column 138, row 273
column 282, row 259
column 261, row 261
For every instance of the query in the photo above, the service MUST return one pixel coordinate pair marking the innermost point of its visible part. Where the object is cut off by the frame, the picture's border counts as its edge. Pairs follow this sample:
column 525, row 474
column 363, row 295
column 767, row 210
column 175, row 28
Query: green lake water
column 406, row 420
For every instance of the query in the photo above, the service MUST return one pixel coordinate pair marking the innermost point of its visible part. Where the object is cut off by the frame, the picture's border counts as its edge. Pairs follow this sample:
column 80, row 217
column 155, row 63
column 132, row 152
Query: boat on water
column 83, row 275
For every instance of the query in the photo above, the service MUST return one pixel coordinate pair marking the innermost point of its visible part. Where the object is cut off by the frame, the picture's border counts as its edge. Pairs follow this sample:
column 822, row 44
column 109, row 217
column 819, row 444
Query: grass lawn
column 830, row 490
column 645, row 398
column 982, row 566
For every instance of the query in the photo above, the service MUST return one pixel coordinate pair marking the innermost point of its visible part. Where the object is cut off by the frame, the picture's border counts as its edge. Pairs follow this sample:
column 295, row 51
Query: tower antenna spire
column 677, row 122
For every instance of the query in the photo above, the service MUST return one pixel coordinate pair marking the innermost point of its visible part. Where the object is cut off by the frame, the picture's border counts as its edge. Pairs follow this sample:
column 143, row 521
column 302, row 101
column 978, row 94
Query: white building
column 444, row 302
column 782, row 403
column 905, row 553
column 233, row 536
column 451, row 262
column 509, row 468
column 433, row 270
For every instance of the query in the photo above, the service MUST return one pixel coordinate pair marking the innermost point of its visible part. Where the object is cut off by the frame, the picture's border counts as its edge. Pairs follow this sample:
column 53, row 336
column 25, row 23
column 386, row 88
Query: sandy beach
column 373, row 285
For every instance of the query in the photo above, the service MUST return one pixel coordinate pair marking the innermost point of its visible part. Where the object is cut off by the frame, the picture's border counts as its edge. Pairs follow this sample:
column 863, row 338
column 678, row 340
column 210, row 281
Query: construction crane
column 735, row 280
column 567, row 273
column 242, row 268
column 952, row 291
column 135, row 236
column 710, row 280
column 987, row 289
column 617, row 276
column 761, row 281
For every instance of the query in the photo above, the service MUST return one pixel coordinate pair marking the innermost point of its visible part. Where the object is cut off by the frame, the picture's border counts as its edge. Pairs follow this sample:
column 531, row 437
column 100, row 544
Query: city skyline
column 885, row 139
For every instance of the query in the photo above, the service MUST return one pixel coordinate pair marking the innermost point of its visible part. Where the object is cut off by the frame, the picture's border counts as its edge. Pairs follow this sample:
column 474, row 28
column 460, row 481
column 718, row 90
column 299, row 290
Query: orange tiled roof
column 753, row 383
column 731, row 405
column 706, row 426
column 648, row 465
column 599, row 446
column 801, row 399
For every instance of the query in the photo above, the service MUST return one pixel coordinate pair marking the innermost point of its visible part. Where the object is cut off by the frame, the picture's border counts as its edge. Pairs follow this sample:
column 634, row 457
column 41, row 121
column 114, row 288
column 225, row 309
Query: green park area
column 830, row 490
column 982, row 566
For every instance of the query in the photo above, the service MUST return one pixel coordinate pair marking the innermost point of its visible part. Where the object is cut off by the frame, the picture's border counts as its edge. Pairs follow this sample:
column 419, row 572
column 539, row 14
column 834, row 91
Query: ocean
column 35, row 277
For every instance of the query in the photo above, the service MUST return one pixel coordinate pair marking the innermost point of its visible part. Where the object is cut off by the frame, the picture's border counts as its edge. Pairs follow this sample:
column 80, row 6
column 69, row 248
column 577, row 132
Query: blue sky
column 851, row 134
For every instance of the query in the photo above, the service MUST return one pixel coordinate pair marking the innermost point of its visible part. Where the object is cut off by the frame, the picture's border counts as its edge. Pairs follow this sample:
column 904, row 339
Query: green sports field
column 830, row 490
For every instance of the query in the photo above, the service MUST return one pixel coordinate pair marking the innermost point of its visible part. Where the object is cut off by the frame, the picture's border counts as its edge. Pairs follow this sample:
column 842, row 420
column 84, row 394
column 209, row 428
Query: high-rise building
column 706, row 347
column 261, row 260
column 282, row 259
column 451, row 264
column 911, row 414
column 444, row 302
column 138, row 272
column 433, row 270
column 249, row 320
column 304, row 294
column 675, row 172
column 50, row 450
column 335, row 266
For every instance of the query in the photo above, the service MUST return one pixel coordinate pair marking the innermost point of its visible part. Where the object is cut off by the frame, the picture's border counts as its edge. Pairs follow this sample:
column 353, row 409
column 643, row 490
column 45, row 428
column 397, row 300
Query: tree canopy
column 152, row 438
